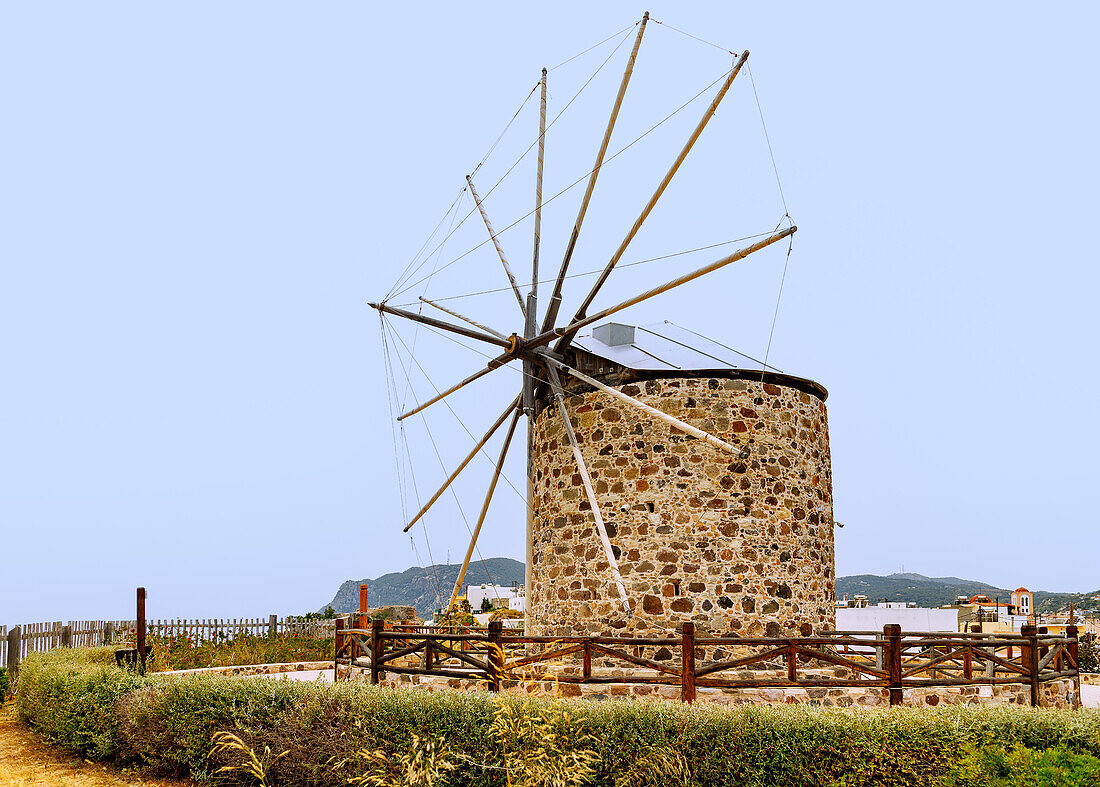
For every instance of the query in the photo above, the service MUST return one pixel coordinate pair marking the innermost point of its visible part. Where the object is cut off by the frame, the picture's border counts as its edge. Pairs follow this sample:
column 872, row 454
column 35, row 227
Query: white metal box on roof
column 664, row 346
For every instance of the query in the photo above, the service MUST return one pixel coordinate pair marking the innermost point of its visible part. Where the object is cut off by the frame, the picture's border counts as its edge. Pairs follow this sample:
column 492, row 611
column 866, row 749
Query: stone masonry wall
column 1064, row 693
column 738, row 545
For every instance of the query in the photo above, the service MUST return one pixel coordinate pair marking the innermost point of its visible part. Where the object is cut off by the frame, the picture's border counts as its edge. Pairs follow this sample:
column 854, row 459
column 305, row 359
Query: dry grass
column 27, row 761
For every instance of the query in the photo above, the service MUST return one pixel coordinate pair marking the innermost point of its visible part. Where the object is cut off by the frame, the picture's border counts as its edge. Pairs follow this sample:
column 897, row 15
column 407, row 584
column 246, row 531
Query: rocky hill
column 422, row 587
column 418, row 587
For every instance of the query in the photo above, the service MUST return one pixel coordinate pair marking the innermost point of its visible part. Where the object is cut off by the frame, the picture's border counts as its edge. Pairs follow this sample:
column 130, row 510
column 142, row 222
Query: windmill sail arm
column 469, row 458
column 555, row 297
column 702, row 124
column 496, row 243
column 586, row 479
column 566, row 334
column 443, row 325
column 683, row 426
column 461, row 384
column 455, row 314
column 484, row 508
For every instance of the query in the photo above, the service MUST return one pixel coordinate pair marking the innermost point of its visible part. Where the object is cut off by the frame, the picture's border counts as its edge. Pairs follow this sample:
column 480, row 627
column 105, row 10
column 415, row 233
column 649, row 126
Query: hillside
column 921, row 590
column 421, row 587
column 417, row 587
column 935, row 591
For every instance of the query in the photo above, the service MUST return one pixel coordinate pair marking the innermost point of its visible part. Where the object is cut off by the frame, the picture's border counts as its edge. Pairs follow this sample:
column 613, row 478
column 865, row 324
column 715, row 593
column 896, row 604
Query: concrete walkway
column 306, row 675
column 1090, row 696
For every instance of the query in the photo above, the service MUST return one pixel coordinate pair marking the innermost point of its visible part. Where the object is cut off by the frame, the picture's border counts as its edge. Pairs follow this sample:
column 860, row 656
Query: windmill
column 543, row 344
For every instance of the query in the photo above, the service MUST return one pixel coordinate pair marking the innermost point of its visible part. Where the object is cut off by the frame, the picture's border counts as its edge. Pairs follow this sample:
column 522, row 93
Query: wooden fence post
column 687, row 664
column 337, row 644
column 15, row 642
column 273, row 626
column 891, row 642
column 1071, row 631
column 792, row 661
column 67, row 636
column 141, row 628
column 108, row 633
column 1029, row 655
column 496, row 654
column 376, row 647
column 586, row 667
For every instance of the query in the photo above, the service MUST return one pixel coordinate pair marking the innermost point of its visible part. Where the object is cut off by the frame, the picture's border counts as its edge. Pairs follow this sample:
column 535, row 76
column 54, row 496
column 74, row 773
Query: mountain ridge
column 422, row 587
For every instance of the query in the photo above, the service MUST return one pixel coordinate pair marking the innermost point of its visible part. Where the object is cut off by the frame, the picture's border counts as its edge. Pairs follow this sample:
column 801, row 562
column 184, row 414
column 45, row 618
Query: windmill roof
column 663, row 346
column 666, row 347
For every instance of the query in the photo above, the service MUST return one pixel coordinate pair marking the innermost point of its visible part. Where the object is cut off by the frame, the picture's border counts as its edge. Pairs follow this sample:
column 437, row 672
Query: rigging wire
column 420, row 307
column 503, row 475
column 435, row 447
column 427, row 240
column 594, row 271
column 515, row 164
column 767, row 139
column 775, row 314
column 586, row 51
column 493, row 147
column 582, row 177
column 391, row 382
column 689, row 35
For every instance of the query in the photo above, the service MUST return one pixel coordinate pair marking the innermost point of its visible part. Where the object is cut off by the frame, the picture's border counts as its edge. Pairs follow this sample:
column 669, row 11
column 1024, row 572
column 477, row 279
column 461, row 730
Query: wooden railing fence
column 892, row 660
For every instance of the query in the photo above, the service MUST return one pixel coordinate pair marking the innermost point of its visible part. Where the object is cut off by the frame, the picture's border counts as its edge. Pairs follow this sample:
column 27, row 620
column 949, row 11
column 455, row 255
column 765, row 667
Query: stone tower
column 738, row 545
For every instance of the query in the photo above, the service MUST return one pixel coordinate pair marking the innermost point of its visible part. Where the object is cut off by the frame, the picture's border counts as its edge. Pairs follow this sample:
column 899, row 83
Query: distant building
column 872, row 618
column 981, row 614
column 500, row 597
column 1021, row 599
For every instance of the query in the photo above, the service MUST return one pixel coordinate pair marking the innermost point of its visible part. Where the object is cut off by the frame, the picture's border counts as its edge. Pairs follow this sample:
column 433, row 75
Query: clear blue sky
column 198, row 200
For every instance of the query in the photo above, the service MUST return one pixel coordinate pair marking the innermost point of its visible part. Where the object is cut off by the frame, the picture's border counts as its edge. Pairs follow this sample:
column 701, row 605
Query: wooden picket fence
column 18, row 641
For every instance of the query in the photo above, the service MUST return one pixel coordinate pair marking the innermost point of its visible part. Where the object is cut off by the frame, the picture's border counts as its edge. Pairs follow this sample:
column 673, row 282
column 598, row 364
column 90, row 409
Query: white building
column 873, row 617
column 500, row 597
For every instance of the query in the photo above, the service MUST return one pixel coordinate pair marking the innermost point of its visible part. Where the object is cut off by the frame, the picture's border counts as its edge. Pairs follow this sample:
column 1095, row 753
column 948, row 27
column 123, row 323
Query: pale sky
column 198, row 200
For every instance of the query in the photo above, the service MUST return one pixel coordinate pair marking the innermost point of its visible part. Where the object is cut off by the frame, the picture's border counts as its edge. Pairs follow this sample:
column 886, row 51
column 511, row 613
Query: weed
column 256, row 767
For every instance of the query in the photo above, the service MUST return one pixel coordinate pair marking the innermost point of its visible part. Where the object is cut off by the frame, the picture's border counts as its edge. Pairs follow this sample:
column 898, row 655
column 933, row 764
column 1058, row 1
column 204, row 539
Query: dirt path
column 26, row 761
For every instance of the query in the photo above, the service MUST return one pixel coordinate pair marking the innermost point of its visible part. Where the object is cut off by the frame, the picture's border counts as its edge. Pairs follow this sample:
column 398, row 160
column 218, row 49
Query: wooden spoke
column 476, row 375
column 469, row 458
column 474, row 323
column 570, row 331
column 485, row 507
column 496, row 243
column 555, row 297
column 601, row 528
column 706, row 437
column 707, row 115
column 446, row 326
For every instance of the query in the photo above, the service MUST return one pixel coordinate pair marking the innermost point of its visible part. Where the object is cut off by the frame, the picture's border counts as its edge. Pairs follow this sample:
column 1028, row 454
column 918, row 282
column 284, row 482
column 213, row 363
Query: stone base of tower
column 739, row 545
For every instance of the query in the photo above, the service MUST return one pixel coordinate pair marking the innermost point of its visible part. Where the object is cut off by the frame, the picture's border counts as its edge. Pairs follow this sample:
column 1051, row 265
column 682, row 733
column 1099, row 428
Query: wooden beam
column 707, row 115
column 683, row 426
column 461, row 384
column 555, row 298
column 496, row 243
column 569, row 331
column 446, row 326
column 469, row 458
column 586, row 479
column 484, row 509
column 474, row 323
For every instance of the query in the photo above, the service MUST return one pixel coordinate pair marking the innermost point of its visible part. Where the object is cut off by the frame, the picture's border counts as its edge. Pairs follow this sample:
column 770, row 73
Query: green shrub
column 325, row 734
column 996, row 766
column 1088, row 655
column 5, row 686
column 69, row 696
